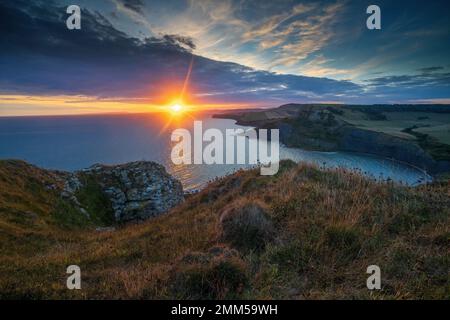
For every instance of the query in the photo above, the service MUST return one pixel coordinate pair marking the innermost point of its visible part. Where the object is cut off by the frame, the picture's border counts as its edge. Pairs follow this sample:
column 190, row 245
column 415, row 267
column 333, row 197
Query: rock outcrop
column 136, row 190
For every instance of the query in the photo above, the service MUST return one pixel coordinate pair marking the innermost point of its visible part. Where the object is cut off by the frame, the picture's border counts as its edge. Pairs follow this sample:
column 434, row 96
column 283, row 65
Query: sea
column 75, row 142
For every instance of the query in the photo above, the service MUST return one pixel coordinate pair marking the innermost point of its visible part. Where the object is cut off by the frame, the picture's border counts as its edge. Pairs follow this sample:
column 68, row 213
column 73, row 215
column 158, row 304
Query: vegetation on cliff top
column 318, row 231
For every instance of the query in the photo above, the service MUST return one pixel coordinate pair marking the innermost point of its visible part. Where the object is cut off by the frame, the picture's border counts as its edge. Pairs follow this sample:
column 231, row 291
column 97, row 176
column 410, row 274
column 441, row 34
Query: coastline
column 340, row 137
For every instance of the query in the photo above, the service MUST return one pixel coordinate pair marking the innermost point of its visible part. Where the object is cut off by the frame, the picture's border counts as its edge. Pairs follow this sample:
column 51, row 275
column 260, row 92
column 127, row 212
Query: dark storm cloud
column 39, row 55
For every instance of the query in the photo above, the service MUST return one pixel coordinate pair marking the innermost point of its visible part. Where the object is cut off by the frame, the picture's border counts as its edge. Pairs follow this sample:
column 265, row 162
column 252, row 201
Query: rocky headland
column 326, row 128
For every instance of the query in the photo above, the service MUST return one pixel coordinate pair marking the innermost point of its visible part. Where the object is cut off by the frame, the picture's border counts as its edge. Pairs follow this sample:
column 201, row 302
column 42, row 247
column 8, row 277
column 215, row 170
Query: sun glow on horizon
column 29, row 105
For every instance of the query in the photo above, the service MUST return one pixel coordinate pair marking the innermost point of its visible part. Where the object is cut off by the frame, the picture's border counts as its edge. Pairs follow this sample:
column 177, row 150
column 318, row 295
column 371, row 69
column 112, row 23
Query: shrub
column 246, row 226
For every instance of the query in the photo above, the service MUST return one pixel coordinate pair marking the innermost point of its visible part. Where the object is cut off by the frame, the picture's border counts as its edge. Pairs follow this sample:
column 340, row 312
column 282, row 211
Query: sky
column 136, row 55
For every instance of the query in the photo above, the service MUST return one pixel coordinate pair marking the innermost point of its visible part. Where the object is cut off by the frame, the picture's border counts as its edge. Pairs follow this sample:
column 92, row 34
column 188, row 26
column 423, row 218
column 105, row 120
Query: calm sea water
column 76, row 142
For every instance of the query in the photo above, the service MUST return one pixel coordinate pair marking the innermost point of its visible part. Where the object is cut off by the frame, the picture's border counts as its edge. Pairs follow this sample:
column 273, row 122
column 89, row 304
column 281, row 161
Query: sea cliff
column 327, row 128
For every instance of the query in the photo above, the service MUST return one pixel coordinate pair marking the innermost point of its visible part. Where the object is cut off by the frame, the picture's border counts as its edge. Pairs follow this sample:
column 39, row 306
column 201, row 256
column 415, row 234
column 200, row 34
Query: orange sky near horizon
column 29, row 105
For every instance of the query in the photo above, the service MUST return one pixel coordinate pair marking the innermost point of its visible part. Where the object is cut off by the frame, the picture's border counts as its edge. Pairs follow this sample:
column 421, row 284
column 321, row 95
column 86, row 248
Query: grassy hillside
column 302, row 234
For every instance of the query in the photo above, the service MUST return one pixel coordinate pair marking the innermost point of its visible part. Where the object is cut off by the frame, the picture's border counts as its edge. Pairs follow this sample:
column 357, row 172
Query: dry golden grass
column 329, row 226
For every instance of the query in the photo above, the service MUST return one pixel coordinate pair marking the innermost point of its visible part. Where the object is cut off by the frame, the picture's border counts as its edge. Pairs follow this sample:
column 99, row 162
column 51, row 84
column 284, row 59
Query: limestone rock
column 137, row 190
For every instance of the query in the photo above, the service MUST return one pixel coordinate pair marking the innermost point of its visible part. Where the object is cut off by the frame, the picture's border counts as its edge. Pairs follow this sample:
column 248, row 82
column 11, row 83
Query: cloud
column 180, row 40
column 430, row 69
column 274, row 22
column 304, row 36
column 134, row 5
column 318, row 67
column 134, row 10
column 284, row 34
column 101, row 61
column 426, row 78
column 40, row 56
column 423, row 86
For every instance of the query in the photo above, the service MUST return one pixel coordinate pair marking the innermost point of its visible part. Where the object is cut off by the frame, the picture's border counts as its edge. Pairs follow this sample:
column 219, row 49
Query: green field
column 440, row 132
column 437, row 125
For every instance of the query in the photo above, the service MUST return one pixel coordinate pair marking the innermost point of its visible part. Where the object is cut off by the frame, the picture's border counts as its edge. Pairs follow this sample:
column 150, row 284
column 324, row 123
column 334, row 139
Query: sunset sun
column 176, row 108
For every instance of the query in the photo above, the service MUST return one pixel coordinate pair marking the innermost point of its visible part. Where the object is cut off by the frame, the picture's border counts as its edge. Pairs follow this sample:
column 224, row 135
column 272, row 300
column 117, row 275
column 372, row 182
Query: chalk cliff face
column 352, row 139
column 359, row 140
column 136, row 190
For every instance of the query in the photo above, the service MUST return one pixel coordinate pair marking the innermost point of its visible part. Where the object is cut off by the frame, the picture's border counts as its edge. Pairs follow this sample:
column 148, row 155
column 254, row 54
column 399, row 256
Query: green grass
column 66, row 215
column 434, row 124
column 439, row 132
column 96, row 203
column 436, row 149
